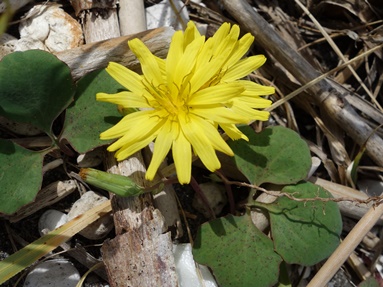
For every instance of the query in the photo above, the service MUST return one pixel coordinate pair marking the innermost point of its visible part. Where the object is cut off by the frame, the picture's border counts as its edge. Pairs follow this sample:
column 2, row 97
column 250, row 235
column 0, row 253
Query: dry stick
column 346, row 247
column 321, row 77
column 328, row 94
column 87, row 58
column 132, row 16
column 338, row 52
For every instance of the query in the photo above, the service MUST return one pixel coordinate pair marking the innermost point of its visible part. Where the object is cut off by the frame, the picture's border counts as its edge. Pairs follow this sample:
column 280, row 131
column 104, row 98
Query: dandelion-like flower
column 182, row 100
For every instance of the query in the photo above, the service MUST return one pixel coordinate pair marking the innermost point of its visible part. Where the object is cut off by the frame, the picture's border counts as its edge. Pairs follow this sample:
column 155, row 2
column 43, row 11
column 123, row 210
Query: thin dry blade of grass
column 321, row 77
column 338, row 52
column 348, row 245
column 40, row 247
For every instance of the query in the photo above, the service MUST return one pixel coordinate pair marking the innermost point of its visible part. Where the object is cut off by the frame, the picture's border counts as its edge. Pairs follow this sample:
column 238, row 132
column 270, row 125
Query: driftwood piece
column 329, row 95
column 141, row 257
column 87, row 58
column 141, row 253
column 350, row 209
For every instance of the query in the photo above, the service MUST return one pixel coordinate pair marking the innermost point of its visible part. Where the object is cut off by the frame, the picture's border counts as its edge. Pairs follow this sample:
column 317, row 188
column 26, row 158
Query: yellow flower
column 182, row 100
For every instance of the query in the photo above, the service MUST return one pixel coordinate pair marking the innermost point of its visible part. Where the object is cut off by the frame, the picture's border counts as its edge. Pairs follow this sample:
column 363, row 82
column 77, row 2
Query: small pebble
column 215, row 195
column 53, row 273
column 51, row 219
column 102, row 226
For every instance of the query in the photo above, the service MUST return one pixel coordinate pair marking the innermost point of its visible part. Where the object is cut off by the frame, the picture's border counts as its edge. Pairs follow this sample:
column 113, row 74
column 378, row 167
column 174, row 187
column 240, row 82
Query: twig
column 329, row 95
column 348, row 245
column 377, row 200
column 321, row 77
column 338, row 52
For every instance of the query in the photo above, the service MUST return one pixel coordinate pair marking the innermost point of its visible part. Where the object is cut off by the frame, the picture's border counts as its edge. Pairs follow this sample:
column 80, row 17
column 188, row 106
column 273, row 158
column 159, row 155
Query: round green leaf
column 86, row 118
column 35, row 88
column 305, row 232
column 276, row 155
column 20, row 176
column 238, row 253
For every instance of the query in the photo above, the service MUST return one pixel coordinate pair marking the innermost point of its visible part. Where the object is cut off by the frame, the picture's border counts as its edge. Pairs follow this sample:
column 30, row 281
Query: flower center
column 173, row 103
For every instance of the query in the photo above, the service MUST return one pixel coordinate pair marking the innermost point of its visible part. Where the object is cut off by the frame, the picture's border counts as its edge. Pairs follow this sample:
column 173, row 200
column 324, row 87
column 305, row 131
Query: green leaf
column 305, row 232
column 276, row 155
column 369, row 282
column 237, row 251
column 35, row 88
column 20, row 175
column 86, row 118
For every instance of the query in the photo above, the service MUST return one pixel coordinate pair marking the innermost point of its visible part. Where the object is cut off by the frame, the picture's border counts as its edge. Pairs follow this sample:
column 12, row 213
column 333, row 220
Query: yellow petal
column 233, row 132
column 255, row 102
column 138, row 132
column 203, row 74
column 219, row 115
column 126, row 123
column 162, row 66
column 220, row 35
column 125, row 99
column 243, row 68
column 174, row 55
column 253, row 114
column 200, row 143
column 225, row 46
column 162, row 146
column 215, row 53
column 127, row 78
column 213, row 135
column 242, row 46
column 252, row 88
column 191, row 33
column 182, row 158
column 130, row 149
column 187, row 62
column 148, row 62
column 216, row 94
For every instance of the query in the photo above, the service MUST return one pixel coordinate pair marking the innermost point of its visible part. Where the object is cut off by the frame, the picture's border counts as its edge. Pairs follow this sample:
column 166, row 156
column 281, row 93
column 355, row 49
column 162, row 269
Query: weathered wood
column 141, row 253
column 141, row 257
column 329, row 95
column 132, row 16
column 100, row 25
column 93, row 56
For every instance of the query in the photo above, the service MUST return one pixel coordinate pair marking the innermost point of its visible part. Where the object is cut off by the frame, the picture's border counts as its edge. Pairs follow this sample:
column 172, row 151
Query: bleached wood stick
column 132, row 16
column 100, row 26
column 350, row 209
column 93, row 56
column 347, row 246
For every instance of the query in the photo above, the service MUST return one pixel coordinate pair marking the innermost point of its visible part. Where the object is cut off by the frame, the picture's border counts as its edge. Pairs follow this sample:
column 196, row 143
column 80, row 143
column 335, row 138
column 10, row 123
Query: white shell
column 186, row 268
column 53, row 273
column 51, row 219
column 101, row 227
column 51, row 27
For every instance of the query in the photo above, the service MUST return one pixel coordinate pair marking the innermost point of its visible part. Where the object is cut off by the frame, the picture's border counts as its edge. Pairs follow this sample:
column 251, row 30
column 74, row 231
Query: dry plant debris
column 325, row 63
